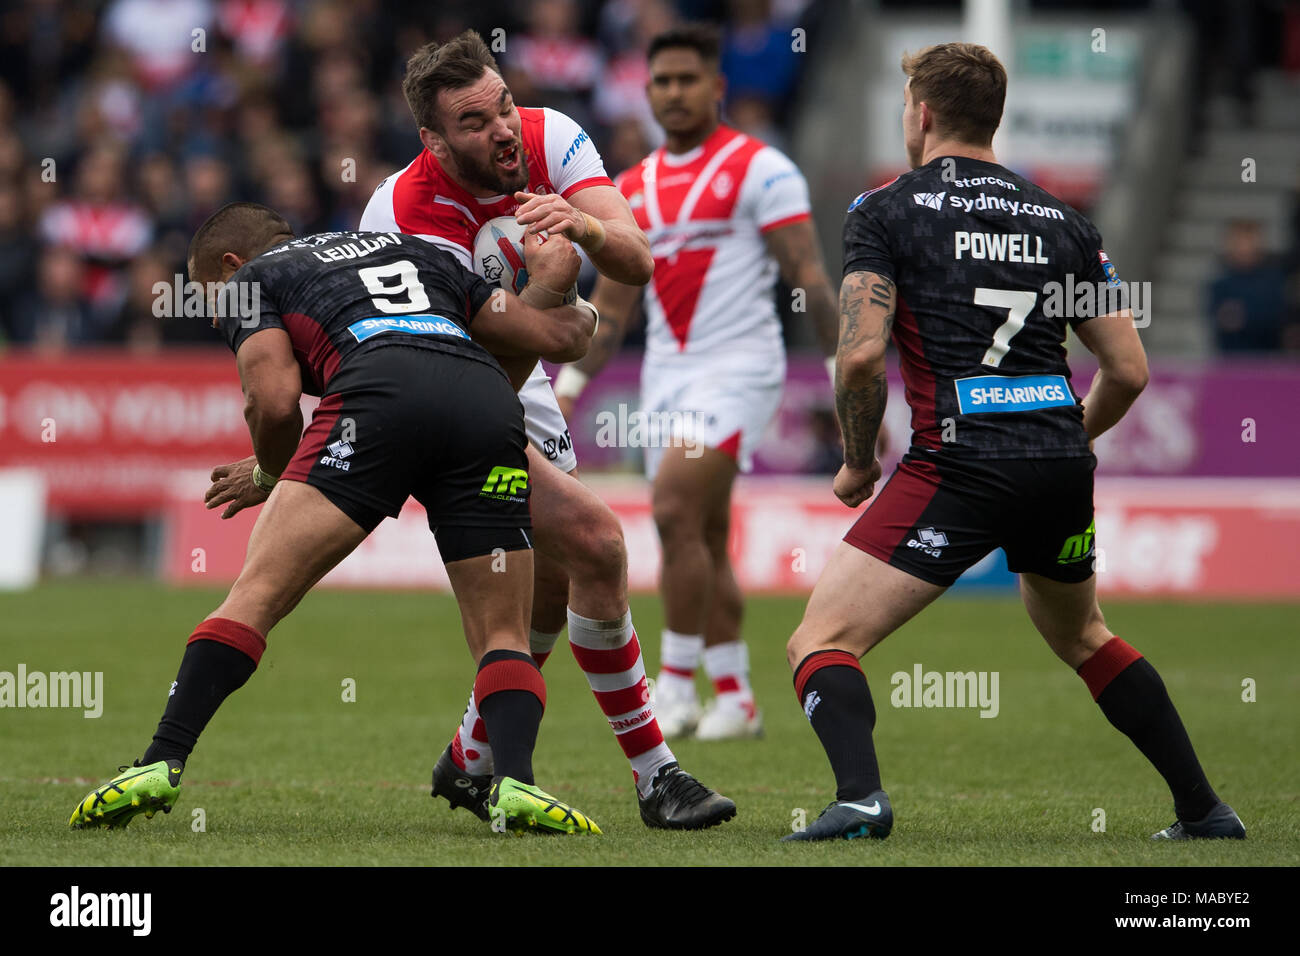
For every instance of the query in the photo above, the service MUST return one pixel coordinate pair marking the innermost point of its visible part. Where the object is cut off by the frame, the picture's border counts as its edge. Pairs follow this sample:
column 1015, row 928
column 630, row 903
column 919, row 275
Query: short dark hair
column 245, row 228
column 703, row 38
column 964, row 84
column 449, row 66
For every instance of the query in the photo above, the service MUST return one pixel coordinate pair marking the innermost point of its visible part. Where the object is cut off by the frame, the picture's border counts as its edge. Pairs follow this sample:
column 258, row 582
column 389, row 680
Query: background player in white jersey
column 485, row 157
column 724, row 213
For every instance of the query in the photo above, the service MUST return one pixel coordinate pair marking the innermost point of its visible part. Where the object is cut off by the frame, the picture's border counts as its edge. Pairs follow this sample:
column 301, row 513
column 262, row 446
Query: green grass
column 289, row 774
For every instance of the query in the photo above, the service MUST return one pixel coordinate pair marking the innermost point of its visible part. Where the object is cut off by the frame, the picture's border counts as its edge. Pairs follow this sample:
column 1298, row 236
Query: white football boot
column 676, row 706
column 730, row 717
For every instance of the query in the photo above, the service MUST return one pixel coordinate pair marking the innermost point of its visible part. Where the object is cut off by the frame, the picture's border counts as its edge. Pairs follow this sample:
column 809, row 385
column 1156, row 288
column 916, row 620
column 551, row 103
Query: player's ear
column 433, row 143
column 230, row 264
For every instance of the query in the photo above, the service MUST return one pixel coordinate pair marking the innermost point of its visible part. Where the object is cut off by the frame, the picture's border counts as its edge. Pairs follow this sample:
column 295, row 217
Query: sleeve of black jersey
column 248, row 307
column 866, row 243
column 1099, row 273
column 477, row 292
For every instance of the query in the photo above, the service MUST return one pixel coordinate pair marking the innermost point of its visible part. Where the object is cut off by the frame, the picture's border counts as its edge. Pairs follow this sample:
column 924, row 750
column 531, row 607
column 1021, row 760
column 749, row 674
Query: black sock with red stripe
column 219, row 659
column 511, row 697
column 837, row 701
column 1133, row 697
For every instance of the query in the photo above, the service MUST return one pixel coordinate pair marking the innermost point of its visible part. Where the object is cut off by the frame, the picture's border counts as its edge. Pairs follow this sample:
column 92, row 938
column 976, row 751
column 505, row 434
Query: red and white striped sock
column 727, row 666
column 470, row 750
column 610, row 655
column 679, row 656
column 540, row 644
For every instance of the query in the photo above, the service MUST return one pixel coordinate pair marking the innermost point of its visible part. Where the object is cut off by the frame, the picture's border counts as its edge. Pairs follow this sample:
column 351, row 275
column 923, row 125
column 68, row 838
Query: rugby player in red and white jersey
column 486, row 157
column 724, row 213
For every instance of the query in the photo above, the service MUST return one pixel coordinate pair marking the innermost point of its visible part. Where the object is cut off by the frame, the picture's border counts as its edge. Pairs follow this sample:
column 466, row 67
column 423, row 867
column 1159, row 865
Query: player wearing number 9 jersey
column 378, row 325
column 976, row 272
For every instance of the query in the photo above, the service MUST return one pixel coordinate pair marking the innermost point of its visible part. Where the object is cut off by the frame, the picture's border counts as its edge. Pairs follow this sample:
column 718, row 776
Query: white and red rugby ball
column 499, row 256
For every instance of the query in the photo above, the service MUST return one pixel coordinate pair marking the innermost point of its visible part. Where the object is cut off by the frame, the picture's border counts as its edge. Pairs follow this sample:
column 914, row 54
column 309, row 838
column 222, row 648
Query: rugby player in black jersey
column 378, row 325
column 968, row 264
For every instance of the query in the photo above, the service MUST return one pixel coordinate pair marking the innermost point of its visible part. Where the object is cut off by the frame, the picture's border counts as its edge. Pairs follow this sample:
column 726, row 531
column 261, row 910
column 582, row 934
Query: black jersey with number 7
column 988, row 270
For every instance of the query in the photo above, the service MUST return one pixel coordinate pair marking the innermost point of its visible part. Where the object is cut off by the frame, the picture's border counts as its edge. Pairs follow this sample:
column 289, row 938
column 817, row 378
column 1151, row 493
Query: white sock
column 610, row 655
column 679, row 656
column 727, row 665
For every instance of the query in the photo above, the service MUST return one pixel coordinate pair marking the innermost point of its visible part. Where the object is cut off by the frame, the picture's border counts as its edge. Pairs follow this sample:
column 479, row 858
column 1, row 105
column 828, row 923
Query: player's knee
column 600, row 550
column 677, row 518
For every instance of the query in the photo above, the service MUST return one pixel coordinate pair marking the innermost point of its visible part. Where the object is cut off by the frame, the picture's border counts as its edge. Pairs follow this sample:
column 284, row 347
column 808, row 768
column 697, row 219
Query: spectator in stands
column 55, row 315
column 1247, row 302
column 101, row 223
column 17, row 254
column 556, row 65
column 758, row 55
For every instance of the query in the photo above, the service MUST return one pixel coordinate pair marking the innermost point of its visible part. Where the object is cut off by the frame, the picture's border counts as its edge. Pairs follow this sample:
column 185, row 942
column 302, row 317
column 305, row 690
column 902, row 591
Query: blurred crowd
column 124, row 124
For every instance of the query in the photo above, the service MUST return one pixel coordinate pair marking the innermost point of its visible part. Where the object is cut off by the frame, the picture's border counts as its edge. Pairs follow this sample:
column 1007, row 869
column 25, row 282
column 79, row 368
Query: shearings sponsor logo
column 412, row 324
column 82, row 690
column 1012, row 393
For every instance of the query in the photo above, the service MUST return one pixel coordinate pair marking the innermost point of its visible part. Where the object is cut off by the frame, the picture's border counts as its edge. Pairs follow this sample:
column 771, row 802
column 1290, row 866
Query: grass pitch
column 289, row 773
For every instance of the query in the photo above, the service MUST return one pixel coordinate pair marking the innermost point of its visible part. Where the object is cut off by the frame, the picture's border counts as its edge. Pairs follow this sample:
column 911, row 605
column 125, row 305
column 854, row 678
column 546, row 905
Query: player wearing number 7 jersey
column 970, row 266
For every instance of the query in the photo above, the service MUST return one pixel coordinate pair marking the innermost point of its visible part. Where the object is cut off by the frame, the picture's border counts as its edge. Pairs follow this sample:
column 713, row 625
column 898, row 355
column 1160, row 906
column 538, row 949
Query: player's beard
column 487, row 176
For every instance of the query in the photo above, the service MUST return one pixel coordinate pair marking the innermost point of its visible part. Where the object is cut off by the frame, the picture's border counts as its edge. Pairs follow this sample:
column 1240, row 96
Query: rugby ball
column 499, row 256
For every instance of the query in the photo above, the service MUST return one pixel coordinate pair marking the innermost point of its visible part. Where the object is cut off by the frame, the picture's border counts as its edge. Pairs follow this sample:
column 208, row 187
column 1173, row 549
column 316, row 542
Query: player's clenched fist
column 552, row 261
column 234, row 483
column 855, row 485
column 551, row 213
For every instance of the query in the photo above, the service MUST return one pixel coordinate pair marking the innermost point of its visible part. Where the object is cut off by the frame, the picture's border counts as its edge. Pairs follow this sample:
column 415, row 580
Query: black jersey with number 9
column 341, row 294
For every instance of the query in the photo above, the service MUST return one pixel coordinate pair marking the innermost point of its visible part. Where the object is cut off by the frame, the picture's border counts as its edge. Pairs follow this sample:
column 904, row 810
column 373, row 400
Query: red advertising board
column 1157, row 537
column 110, row 431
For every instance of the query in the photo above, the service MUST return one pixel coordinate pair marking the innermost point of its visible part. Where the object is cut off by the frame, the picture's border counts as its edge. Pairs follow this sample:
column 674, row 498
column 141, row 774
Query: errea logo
column 931, row 542
column 930, row 200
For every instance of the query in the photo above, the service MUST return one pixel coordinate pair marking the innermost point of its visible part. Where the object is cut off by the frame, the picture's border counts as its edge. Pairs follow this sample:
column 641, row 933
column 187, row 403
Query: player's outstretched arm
column 599, row 219
column 617, row 304
column 1122, row 369
column 799, row 257
column 867, row 304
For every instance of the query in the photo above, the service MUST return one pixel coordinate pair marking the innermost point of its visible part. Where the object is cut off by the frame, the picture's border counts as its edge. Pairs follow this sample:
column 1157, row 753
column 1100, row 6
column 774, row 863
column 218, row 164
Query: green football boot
column 137, row 790
column 515, row 806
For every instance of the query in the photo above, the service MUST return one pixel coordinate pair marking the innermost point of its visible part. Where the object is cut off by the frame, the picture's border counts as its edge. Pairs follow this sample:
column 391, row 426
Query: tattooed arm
column 867, row 303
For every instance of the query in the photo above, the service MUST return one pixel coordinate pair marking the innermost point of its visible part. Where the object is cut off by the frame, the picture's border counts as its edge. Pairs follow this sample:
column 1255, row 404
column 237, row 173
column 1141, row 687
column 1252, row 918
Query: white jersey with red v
column 705, row 212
